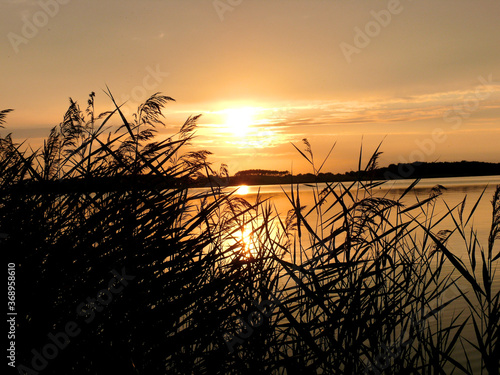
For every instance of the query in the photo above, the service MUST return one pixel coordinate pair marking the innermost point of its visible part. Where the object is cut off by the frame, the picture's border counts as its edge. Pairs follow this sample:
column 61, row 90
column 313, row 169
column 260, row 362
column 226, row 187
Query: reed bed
column 353, row 284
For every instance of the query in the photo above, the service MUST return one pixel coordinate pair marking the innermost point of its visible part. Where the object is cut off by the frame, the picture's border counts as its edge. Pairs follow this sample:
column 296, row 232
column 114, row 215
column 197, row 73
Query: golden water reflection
column 242, row 190
column 247, row 242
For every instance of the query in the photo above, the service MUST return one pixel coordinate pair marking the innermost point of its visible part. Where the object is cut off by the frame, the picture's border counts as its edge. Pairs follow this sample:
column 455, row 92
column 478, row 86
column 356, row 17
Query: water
column 457, row 189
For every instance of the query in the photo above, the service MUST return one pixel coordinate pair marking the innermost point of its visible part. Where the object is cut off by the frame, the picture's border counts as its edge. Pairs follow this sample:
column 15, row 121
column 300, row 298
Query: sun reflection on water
column 248, row 243
column 243, row 190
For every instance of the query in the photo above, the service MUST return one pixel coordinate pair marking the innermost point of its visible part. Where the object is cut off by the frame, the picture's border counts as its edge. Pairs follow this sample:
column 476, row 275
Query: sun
column 239, row 120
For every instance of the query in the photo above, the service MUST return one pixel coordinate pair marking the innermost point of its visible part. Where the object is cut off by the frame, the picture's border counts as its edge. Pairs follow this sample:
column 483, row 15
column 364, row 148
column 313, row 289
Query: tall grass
column 93, row 200
column 353, row 284
column 368, row 285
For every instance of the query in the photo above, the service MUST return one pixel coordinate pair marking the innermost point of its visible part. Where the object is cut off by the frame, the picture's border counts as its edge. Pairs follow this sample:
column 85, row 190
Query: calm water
column 456, row 190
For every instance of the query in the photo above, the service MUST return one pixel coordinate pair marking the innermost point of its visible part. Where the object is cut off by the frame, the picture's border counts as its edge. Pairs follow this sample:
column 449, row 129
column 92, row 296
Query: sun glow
column 243, row 190
column 239, row 120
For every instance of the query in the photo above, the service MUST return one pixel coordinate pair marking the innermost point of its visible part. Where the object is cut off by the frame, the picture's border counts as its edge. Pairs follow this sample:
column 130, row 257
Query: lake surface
column 456, row 190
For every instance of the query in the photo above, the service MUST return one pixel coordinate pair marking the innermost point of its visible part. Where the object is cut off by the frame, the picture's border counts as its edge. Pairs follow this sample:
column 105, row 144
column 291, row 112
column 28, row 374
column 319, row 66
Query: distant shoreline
column 392, row 172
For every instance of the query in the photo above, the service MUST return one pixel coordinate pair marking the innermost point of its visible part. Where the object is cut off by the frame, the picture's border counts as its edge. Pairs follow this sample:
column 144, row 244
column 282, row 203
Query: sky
column 423, row 77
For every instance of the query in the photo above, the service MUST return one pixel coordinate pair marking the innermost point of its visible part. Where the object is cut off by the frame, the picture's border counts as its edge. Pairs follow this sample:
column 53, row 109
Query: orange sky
column 424, row 75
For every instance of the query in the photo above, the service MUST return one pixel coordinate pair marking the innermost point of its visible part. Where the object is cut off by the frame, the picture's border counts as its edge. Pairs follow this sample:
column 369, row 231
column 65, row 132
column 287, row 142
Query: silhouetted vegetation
column 354, row 280
column 78, row 209
column 393, row 171
column 438, row 169
column 261, row 172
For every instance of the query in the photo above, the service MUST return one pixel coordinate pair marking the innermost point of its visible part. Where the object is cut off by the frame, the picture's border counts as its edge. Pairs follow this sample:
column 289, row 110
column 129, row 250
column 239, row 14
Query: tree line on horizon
column 431, row 168
column 262, row 172
column 391, row 172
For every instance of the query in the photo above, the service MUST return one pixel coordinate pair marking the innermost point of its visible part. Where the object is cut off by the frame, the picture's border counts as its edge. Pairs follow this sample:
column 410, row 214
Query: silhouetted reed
column 353, row 284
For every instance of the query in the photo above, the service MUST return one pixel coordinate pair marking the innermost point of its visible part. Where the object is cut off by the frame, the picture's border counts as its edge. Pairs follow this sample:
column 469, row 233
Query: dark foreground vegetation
column 128, row 277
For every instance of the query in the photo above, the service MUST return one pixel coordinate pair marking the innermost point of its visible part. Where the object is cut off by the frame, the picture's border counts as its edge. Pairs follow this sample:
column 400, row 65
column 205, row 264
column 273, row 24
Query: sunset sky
column 423, row 76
